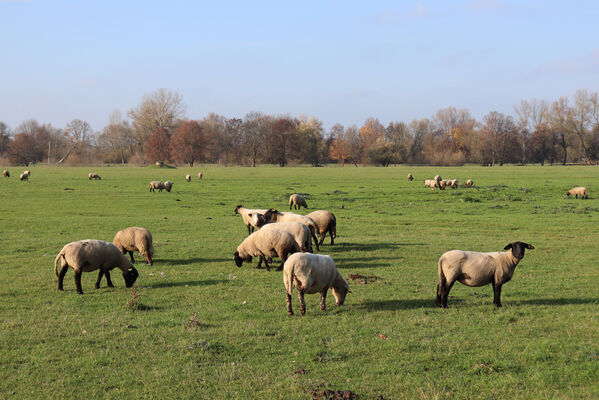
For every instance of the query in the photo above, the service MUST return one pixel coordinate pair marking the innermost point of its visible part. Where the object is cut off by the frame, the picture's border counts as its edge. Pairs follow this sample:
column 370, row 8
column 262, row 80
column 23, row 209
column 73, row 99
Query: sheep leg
column 323, row 299
column 148, row 258
column 131, row 256
column 63, row 271
column 78, row 282
column 266, row 263
column 108, row 280
column 249, row 231
column 302, row 302
column 497, row 294
column 446, row 293
column 322, row 236
column 99, row 278
column 283, row 259
column 438, row 301
column 289, row 309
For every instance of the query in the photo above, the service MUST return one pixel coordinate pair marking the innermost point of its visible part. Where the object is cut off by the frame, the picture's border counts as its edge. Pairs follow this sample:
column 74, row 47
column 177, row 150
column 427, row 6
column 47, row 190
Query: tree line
column 563, row 131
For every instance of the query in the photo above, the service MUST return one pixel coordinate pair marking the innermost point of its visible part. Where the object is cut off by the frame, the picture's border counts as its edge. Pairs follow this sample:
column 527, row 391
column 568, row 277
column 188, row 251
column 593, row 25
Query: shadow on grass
column 372, row 263
column 401, row 304
column 561, row 301
column 373, row 246
column 189, row 283
column 187, row 261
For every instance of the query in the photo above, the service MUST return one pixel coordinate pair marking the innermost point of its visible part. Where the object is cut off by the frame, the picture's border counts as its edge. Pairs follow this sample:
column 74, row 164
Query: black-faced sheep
column 135, row 239
column 326, row 222
column 6, row 173
column 578, row 191
column 297, row 201
column 156, row 185
column 469, row 183
column 24, row 176
column 272, row 215
column 90, row 255
column 410, row 177
column 264, row 244
column 93, row 175
column 248, row 217
column 430, row 183
column 168, row 185
column 313, row 273
column 200, row 175
column 188, row 178
column 472, row 268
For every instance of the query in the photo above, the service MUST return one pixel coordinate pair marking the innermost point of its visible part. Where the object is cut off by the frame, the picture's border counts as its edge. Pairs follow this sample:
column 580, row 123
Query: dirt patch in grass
column 327, row 394
column 359, row 279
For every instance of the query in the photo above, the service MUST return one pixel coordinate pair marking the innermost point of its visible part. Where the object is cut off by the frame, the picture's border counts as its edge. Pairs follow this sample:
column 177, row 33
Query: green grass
column 544, row 342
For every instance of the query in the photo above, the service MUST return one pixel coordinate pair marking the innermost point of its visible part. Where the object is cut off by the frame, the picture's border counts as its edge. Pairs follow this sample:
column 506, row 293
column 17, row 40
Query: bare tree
column 558, row 119
column 117, row 138
column 4, row 137
column 78, row 135
column 255, row 128
column 531, row 114
column 579, row 121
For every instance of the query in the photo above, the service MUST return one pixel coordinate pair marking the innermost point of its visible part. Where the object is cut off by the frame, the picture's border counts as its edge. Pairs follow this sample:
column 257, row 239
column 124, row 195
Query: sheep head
column 239, row 260
column 518, row 248
column 130, row 276
column 270, row 214
column 340, row 289
column 237, row 209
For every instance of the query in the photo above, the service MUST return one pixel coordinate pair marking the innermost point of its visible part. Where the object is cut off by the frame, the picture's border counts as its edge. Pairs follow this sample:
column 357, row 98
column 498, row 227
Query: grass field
column 204, row 328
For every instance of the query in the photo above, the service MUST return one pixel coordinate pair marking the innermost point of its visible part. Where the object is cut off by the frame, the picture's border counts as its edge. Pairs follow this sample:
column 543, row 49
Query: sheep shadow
column 392, row 305
column 189, row 283
column 560, row 301
column 373, row 246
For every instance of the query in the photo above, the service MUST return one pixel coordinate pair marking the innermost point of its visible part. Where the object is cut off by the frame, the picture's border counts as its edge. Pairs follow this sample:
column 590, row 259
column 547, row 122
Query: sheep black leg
column 78, row 282
column 446, row 294
column 332, row 237
column 99, row 278
column 497, row 295
column 260, row 262
column 148, row 259
column 438, row 301
column 289, row 309
column 302, row 303
column 267, row 266
column 322, row 236
column 108, row 280
column 323, row 299
column 63, row 271
column 132, row 259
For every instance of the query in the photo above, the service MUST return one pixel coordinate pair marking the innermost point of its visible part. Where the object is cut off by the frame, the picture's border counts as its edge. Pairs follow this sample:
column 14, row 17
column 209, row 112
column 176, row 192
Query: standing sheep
column 313, row 273
column 90, row 255
column 299, row 231
column 188, row 178
column 442, row 185
column 200, row 175
column 437, row 179
column 472, row 268
column 156, row 185
column 24, row 177
column 266, row 243
column 27, row 172
column 410, row 177
column 578, row 191
column 469, row 183
column 297, row 201
column 454, row 183
column 430, row 183
column 6, row 173
column 168, row 185
column 272, row 215
column 247, row 215
column 135, row 239
column 93, row 175
column 326, row 222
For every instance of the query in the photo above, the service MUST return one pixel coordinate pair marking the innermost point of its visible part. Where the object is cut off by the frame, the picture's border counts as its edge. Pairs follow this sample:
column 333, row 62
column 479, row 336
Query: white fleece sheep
column 578, row 191
column 93, row 175
column 437, row 179
column 272, row 215
column 264, row 244
column 27, row 172
column 454, row 183
column 326, row 222
column 168, row 185
column 410, row 177
column 313, row 273
column 156, row 185
column 430, row 183
column 299, row 231
column 442, row 184
column 6, row 173
column 469, row 183
column 297, row 201
column 24, row 177
column 200, row 175
column 135, row 239
column 472, row 268
column 248, row 217
column 188, row 178
column 89, row 255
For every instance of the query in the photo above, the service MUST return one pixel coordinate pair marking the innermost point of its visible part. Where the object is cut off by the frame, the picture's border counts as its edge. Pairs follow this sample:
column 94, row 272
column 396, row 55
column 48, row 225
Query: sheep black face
column 258, row 219
column 130, row 277
column 237, row 209
column 518, row 248
column 239, row 261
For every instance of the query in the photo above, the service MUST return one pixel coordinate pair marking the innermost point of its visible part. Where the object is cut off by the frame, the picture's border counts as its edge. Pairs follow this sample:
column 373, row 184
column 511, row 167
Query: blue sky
column 341, row 61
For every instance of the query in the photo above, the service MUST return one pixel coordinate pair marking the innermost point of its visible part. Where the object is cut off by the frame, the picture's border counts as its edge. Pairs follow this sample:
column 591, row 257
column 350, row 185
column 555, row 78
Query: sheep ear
column 509, row 246
column 529, row 246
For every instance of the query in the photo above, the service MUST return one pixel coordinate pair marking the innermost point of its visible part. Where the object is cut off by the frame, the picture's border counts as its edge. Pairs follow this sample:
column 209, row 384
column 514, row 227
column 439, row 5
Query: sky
column 340, row 61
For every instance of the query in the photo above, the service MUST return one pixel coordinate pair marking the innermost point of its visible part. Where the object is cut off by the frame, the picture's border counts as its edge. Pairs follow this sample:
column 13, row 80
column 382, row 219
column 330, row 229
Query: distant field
column 543, row 343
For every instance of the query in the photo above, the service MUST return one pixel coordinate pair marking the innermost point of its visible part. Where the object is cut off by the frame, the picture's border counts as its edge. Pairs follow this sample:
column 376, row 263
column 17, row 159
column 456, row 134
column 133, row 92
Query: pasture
column 199, row 327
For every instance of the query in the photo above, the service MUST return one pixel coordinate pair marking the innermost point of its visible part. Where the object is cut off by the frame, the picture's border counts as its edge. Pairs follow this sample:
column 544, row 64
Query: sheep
column 326, row 222
column 313, row 273
column 299, row 231
column 135, row 238
column 89, row 255
column 578, row 191
column 297, row 201
column 437, row 179
column 6, row 173
column 188, row 178
column 156, row 185
column 27, row 172
column 93, row 175
column 24, row 177
column 410, row 177
column 272, row 215
column 430, row 183
column 442, row 185
column 472, row 268
column 469, row 183
column 454, row 183
column 168, row 185
column 266, row 243
column 247, row 215
column 200, row 175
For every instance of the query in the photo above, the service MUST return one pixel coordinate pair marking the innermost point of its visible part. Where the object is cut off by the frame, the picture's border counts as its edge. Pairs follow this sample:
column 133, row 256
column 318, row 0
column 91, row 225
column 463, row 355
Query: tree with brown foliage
column 23, row 150
column 187, row 143
column 157, row 146
column 282, row 141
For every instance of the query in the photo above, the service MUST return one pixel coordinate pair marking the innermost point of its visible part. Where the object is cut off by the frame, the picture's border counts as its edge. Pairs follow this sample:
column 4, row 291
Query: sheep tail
column 58, row 257
column 334, row 227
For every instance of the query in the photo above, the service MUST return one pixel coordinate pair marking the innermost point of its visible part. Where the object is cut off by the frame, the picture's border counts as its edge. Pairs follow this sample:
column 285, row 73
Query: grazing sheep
column 6, row 173
column 93, row 175
column 272, row 215
column 578, row 191
column 326, row 222
column 299, row 231
column 469, row 183
column 200, row 175
column 410, row 177
column 313, row 273
column 90, row 255
column 266, row 243
column 454, row 183
column 188, row 178
column 297, row 201
column 168, row 185
column 135, row 238
column 437, row 179
column 442, row 185
column 24, row 177
column 472, row 268
column 430, row 183
column 247, row 215
column 28, row 173
column 156, row 185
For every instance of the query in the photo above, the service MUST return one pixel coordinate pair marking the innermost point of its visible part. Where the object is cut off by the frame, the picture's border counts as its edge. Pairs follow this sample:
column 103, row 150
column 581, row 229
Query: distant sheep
column 430, row 183
column 266, row 243
column 437, row 179
column 247, row 215
column 156, row 185
column 313, row 273
column 93, row 175
column 90, row 255
column 297, row 201
column 135, row 239
column 469, row 183
column 410, row 177
column 472, row 268
column 24, row 177
column 454, row 183
column 200, row 175
column 442, row 184
column 168, row 185
column 326, row 222
column 27, row 172
column 578, row 191
column 188, row 178
column 6, row 173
